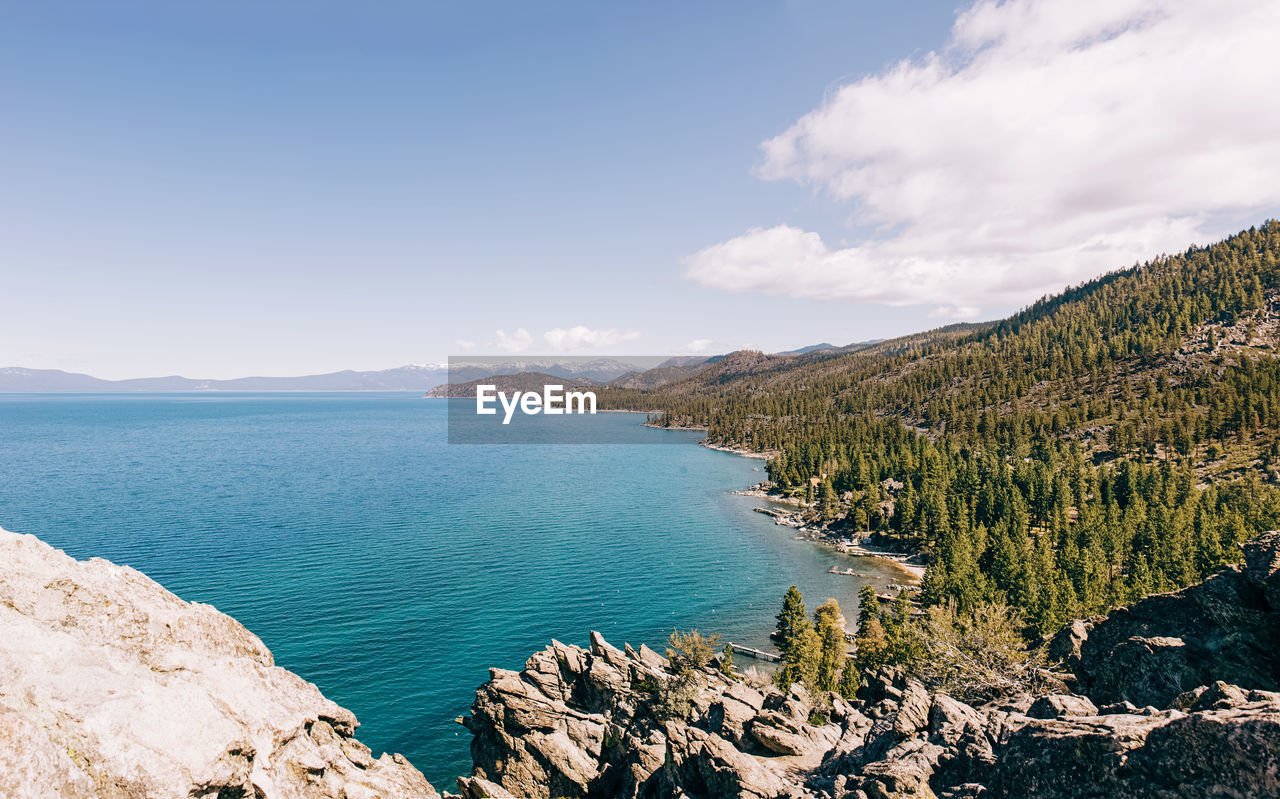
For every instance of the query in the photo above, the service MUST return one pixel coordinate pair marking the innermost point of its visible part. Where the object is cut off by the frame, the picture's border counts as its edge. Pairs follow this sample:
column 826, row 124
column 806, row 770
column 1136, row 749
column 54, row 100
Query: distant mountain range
column 509, row 383
column 641, row 373
column 416, row 377
column 810, row 348
column 403, row 378
column 600, row 370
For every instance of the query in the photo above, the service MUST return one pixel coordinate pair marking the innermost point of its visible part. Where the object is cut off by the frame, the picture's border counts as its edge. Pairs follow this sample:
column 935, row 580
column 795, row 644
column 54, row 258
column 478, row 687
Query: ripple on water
column 388, row 567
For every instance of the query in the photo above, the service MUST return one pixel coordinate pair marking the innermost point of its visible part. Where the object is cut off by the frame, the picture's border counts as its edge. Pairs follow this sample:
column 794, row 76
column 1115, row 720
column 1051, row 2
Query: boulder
column 913, row 711
column 1262, row 566
column 1057, row 706
column 904, row 772
column 779, row 733
column 1074, row 757
column 950, row 719
column 707, row 762
column 730, row 716
column 1064, row 647
column 1229, row 752
column 480, row 788
column 112, row 686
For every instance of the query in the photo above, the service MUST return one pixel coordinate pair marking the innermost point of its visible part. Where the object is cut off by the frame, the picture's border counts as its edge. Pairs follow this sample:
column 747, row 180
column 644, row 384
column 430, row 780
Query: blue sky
column 227, row 188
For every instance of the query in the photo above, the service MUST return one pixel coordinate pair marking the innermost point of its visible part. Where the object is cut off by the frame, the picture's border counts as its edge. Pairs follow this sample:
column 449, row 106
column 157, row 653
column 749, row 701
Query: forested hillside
column 1109, row 442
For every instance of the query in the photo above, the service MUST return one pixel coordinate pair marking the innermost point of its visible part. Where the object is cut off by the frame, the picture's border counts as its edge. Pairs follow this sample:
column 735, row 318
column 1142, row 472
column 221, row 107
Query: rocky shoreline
column 111, row 686
column 1152, row 707
column 745, row 453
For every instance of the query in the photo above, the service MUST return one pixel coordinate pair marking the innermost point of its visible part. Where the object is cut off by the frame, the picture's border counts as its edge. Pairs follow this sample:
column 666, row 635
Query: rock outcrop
column 601, row 722
column 582, row 723
column 110, row 686
column 1226, row 628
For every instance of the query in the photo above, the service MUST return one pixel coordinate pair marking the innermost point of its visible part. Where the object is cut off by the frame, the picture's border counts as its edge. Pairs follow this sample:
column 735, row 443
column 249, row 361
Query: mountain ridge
column 412, row 377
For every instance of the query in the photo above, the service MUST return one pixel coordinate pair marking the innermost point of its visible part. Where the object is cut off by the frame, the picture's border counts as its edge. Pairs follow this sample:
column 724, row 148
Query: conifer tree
column 830, row 629
column 850, row 680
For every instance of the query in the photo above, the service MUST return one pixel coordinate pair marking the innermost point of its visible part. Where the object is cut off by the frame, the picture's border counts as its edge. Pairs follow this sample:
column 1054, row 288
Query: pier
column 758, row 654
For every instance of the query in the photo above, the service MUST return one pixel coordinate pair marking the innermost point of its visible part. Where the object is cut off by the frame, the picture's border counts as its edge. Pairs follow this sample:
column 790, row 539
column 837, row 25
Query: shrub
column 974, row 657
column 690, row 651
column 673, row 698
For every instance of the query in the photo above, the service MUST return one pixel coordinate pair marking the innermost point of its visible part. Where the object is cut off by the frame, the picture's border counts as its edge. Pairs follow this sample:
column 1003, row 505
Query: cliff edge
column 111, row 686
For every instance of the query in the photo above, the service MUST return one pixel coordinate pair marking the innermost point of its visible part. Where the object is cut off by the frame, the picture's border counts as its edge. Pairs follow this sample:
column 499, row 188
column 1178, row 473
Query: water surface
column 391, row 568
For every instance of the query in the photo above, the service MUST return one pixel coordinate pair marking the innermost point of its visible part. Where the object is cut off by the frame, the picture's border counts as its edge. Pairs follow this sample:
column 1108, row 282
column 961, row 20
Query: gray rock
column 1064, row 647
column 1076, row 757
column 705, row 764
column 913, row 712
column 950, row 719
column 904, row 772
column 740, row 692
column 1229, row 752
column 730, row 717
column 112, row 686
column 1057, row 706
column 1232, row 752
column 1226, row 628
column 581, row 723
column 480, row 788
column 779, row 733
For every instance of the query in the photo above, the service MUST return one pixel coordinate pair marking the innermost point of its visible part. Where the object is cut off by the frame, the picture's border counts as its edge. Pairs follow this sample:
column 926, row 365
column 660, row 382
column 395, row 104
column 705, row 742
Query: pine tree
column 1053, row 460
column 726, row 662
column 792, row 617
column 798, row 642
column 850, row 680
column 830, row 503
column 830, row 630
column 868, row 605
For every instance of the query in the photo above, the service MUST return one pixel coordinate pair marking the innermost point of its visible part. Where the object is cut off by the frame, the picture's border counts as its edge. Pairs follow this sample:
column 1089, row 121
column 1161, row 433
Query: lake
column 389, row 567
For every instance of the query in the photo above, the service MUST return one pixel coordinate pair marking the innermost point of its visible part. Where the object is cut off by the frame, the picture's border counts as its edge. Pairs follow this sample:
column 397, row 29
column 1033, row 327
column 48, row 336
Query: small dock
column 758, row 654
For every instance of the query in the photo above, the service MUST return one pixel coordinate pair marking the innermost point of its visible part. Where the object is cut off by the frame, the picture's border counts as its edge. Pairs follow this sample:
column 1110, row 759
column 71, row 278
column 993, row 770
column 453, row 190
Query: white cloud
column 464, row 345
column 955, row 312
column 699, row 345
column 1048, row 142
column 517, row 341
column 581, row 338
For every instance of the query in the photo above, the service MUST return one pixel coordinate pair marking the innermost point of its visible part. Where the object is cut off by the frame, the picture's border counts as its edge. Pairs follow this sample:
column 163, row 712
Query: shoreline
column 742, row 453
column 900, row 560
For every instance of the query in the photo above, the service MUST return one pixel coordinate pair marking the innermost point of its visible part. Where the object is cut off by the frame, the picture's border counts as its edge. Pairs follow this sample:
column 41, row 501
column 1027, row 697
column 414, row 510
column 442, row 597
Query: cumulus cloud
column 582, row 338
column 1047, row 142
column 699, row 345
column 517, row 341
column 559, row 339
column 464, row 344
column 955, row 312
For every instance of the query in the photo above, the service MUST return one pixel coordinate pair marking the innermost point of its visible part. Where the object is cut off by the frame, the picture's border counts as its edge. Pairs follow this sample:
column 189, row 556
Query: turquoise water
column 393, row 569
